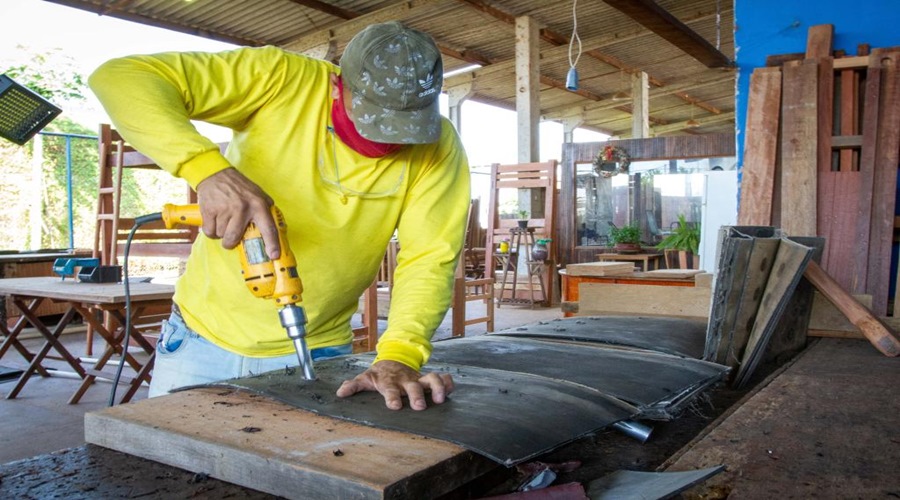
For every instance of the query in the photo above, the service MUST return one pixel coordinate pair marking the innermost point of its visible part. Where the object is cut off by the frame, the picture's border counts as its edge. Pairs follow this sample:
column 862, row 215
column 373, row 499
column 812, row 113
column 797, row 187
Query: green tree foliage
column 42, row 199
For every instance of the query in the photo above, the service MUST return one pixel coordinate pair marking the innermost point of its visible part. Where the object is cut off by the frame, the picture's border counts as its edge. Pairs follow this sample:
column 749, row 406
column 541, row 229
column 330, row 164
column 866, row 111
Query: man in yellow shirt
column 349, row 154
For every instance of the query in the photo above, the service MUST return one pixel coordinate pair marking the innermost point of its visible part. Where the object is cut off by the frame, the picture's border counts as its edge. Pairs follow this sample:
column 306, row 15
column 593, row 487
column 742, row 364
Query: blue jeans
column 184, row 358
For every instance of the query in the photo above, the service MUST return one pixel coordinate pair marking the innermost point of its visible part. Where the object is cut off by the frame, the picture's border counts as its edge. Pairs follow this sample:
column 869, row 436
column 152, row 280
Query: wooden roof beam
column 329, row 9
column 667, row 26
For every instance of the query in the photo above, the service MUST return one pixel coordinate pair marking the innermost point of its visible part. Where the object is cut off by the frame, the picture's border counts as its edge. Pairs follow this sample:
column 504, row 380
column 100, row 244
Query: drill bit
column 293, row 319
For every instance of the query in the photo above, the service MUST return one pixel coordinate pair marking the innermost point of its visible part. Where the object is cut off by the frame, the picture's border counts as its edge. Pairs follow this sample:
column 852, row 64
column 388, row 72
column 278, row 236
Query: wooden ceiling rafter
column 331, row 10
column 660, row 21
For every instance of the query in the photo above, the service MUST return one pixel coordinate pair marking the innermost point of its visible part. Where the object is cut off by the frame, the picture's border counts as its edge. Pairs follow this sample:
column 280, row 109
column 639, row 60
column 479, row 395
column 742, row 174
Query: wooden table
column 649, row 261
column 27, row 294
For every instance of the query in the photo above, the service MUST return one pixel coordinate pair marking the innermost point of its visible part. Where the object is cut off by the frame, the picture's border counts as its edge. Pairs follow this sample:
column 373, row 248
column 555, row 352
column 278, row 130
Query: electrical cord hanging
column 138, row 222
column 572, row 76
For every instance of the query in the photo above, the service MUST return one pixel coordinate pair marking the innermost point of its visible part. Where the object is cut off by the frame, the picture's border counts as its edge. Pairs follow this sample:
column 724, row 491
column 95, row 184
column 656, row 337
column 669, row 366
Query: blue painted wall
column 768, row 27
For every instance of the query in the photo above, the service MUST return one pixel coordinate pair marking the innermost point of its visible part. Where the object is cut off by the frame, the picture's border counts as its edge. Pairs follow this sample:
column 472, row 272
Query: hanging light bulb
column 572, row 79
column 572, row 75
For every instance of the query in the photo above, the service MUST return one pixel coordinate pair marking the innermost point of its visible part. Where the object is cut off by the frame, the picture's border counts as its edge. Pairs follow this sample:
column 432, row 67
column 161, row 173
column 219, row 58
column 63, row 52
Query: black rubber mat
column 658, row 384
column 678, row 336
column 505, row 416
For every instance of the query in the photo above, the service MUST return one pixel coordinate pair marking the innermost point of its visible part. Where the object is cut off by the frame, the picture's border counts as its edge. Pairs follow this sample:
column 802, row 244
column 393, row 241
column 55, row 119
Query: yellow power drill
column 266, row 278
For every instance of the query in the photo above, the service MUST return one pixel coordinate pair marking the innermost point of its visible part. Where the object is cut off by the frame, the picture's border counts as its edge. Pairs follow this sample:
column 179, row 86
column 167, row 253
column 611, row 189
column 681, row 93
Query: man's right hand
column 229, row 202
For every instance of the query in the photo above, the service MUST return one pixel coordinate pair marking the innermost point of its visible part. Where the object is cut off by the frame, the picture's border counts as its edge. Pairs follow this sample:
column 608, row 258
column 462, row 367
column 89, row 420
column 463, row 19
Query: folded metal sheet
column 646, row 485
column 659, row 385
column 677, row 336
column 506, row 416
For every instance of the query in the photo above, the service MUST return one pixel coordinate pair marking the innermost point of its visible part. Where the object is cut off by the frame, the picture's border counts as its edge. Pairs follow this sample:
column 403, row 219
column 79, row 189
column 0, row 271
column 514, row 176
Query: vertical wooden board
column 761, row 142
column 826, row 211
column 885, row 180
column 840, row 237
column 860, row 261
column 798, row 148
column 819, row 41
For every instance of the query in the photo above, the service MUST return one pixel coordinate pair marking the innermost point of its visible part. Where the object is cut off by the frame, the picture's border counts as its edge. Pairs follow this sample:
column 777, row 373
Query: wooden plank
column 874, row 329
column 853, row 62
column 643, row 300
column 885, row 180
column 846, row 141
column 272, row 447
column 819, row 40
column 760, row 147
column 826, row 212
column 799, row 148
column 673, row 273
column 600, row 269
column 859, row 261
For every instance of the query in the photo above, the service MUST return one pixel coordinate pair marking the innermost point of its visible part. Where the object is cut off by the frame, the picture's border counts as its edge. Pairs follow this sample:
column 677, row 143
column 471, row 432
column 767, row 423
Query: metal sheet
column 658, row 384
column 677, row 336
column 507, row 417
column 647, row 485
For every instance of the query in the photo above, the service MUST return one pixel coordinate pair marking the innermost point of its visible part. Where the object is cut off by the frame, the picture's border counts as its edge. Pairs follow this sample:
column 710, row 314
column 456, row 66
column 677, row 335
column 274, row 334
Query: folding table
column 27, row 294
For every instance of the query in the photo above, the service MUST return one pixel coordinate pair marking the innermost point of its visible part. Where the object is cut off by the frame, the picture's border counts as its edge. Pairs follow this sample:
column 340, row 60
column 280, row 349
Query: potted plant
column 540, row 252
column 625, row 239
column 685, row 240
column 523, row 219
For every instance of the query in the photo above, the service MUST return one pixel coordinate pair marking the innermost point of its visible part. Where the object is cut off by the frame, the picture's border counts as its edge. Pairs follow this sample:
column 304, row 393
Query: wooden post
column 527, row 88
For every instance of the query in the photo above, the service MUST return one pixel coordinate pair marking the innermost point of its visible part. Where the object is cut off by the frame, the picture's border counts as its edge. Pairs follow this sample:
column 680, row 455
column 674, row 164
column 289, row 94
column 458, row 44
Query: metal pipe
column 634, row 429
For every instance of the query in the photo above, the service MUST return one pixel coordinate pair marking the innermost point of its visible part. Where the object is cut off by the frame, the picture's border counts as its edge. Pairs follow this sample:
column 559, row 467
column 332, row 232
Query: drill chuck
column 293, row 319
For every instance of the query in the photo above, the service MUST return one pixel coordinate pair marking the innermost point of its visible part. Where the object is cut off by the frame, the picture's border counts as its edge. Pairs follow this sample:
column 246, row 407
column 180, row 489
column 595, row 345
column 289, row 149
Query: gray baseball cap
column 395, row 75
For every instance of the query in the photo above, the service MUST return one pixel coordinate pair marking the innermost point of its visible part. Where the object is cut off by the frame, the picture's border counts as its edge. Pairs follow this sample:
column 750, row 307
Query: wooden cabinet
column 635, row 294
column 27, row 265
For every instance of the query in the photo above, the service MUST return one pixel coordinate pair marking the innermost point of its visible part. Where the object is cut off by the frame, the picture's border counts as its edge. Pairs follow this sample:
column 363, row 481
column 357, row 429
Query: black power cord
column 138, row 222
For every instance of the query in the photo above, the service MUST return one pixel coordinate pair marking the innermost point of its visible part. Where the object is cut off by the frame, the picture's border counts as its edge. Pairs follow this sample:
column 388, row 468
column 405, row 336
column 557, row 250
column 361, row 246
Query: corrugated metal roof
column 613, row 46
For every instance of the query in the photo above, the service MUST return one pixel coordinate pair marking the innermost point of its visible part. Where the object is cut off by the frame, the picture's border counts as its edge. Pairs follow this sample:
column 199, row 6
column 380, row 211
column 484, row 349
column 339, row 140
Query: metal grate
column 23, row 113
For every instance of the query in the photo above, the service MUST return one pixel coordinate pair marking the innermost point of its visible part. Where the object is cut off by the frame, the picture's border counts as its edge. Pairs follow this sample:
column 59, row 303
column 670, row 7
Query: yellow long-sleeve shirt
column 341, row 208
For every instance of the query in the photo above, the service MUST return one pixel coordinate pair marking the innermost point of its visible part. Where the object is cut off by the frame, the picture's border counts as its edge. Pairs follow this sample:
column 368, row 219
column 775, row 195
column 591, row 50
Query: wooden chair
column 365, row 337
column 540, row 179
column 468, row 288
column 112, row 229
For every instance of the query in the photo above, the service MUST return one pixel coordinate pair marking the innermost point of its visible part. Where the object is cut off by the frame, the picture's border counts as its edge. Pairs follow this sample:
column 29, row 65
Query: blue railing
column 69, row 198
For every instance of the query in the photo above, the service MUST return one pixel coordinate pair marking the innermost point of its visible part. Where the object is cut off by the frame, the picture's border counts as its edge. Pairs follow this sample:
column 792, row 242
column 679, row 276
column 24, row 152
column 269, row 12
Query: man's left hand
column 395, row 380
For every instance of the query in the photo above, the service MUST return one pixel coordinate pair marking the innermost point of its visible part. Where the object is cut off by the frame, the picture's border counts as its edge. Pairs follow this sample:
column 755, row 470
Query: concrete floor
column 40, row 421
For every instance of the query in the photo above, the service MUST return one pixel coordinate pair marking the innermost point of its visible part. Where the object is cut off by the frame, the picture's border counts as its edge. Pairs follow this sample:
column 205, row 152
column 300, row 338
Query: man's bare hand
column 229, row 202
column 395, row 380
